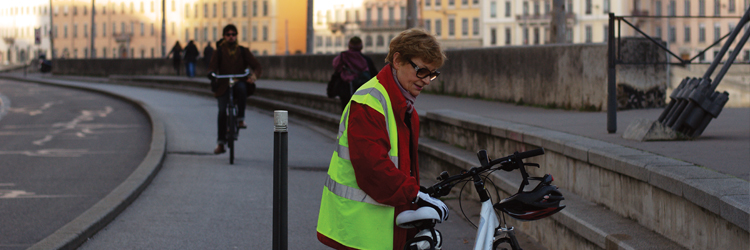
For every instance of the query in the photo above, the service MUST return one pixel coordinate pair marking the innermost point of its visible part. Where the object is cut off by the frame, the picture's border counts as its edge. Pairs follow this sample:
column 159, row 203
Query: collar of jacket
column 398, row 101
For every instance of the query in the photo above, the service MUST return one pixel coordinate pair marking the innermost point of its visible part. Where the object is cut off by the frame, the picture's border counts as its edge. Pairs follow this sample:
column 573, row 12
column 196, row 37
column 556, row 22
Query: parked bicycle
column 541, row 202
column 232, row 129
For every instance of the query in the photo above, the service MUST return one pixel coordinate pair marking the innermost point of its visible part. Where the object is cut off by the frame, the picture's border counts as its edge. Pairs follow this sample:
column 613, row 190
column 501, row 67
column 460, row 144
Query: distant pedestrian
column 176, row 53
column 351, row 70
column 191, row 56
column 208, row 51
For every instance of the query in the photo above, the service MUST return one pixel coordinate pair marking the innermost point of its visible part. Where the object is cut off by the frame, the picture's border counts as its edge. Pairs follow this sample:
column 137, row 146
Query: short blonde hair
column 416, row 43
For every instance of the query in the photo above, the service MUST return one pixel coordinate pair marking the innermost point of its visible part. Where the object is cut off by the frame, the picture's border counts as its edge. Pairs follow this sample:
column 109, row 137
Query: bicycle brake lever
column 531, row 164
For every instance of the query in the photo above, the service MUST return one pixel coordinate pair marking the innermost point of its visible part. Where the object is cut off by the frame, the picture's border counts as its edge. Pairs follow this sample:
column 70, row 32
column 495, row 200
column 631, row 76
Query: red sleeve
column 368, row 149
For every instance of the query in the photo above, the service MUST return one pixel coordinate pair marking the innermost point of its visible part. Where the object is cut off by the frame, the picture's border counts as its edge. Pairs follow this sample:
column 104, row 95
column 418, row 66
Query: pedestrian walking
column 191, row 56
column 208, row 51
column 176, row 53
column 351, row 70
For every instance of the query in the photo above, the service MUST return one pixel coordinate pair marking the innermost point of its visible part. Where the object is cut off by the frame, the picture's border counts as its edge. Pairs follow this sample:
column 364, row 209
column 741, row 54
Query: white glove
column 423, row 199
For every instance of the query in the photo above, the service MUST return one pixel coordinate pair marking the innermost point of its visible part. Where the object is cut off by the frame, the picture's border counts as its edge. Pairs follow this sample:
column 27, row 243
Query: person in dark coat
column 191, row 56
column 348, row 64
column 208, row 51
column 176, row 53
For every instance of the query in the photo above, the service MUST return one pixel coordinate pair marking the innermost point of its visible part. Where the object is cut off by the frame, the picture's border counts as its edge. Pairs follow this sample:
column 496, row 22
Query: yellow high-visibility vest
column 347, row 214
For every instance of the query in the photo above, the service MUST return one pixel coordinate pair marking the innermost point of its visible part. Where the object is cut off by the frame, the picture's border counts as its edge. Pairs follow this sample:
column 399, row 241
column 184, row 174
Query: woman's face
column 407, row 74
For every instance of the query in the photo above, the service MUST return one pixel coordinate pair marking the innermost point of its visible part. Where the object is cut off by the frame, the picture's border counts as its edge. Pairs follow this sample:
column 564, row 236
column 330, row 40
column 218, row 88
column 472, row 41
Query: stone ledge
column 595, row 223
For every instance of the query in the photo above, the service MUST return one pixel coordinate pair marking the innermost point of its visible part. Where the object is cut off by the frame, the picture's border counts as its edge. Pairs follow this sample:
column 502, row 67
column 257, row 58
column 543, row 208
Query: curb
column 78, row 231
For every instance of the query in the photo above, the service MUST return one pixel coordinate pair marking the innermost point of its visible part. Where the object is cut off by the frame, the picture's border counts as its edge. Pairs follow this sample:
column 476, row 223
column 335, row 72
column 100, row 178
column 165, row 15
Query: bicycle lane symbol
column 22, row 194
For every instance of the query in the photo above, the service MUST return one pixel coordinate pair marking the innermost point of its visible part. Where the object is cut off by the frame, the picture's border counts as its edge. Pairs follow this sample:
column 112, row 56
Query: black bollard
column 280, row 183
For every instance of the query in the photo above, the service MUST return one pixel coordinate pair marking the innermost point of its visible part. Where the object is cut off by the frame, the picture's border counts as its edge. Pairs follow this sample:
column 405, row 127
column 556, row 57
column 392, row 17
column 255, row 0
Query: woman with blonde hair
column 374, row 174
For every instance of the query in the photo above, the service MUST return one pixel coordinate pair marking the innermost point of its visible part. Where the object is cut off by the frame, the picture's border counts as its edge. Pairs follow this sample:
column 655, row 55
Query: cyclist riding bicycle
column 373, row 175
column 231, row 58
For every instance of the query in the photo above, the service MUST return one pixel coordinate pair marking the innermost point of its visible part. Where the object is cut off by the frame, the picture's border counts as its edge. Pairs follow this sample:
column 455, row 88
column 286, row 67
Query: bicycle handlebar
column 508, row 163
column 247, row 72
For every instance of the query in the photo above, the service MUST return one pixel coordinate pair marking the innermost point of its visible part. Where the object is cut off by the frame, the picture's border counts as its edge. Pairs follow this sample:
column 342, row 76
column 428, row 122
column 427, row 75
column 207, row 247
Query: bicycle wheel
column 506, row 244
column 232, row 130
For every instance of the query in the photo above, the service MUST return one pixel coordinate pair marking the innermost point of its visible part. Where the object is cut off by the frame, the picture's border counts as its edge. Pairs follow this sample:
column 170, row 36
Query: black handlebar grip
column 531, row 153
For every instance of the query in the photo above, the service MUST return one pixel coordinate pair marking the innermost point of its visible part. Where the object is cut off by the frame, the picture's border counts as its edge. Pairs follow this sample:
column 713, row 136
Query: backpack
column 337, row 86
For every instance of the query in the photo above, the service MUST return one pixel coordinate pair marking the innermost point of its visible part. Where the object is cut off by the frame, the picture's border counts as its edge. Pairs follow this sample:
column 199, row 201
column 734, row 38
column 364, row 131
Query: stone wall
column 570, row 76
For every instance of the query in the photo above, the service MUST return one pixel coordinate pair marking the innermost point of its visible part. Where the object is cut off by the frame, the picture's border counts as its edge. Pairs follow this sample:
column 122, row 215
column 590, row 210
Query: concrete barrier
column 570, row 76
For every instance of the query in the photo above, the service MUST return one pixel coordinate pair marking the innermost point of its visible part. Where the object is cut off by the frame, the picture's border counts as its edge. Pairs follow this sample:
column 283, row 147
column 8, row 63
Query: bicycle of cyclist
column 540, row 202
column 232, row 128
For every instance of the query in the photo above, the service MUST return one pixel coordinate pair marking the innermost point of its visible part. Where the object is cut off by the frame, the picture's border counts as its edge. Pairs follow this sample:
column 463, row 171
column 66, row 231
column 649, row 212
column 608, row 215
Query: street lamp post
column 93, row 28
column 163, row 28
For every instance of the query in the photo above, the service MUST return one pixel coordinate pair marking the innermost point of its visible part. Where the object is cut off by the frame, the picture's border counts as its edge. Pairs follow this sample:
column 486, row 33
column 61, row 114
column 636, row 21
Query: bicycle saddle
column 536, row 204
column 417, row 218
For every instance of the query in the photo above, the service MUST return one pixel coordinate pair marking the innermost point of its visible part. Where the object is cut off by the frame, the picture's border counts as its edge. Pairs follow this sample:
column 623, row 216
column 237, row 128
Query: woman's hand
column 252, row 78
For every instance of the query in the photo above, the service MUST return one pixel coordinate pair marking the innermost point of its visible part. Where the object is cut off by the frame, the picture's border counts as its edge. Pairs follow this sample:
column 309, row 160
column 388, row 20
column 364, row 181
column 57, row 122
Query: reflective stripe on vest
column 347, row 214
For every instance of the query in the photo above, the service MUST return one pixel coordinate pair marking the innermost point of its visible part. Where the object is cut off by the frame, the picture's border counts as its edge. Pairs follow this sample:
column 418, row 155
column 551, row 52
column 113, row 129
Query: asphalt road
column 61, row 151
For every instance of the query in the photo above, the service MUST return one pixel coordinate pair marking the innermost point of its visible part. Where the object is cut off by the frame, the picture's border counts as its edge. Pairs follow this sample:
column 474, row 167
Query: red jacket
column 368, row 148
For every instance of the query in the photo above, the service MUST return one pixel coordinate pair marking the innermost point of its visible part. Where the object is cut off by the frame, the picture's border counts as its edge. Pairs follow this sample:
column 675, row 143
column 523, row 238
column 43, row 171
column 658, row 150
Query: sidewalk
column 723, row 147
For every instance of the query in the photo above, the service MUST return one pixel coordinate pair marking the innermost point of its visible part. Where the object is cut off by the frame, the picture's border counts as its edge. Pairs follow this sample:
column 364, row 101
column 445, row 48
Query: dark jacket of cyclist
column 231, row 58
column 374, row 175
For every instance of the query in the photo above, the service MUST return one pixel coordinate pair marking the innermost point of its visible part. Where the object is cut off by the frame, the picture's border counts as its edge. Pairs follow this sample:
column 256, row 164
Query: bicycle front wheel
column 231, row 133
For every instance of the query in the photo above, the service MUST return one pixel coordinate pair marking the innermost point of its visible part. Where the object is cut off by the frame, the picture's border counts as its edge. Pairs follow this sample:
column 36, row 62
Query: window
column 152, row 29
column 588, row 7
column 606, row 6
column 391, row 14
column 244, row 33
column 75, row 30
column 195, row 11
column 493, row 36
column 427, row 3
column 215, row 34
column 465, row 27
column 205, row 34
column 536, row 8
column 672, row 34
column 525, row 35
column 657, row 8
column 671, row 8
column 428, row 25
column 337, row 42
column 234, row 9
column 451, row 26
column 717, row 8
column 701, row 33
column 205, row 10
column 525, row 8
column 187, row 34
column 747, row 54
column 438, row 27
column 265, row 8
column 214, row 10
column 380, row 16
column 380, row 41
column 507, row 8
column 255, row 8
column 75, row 10
column 475, row 26
column 606, row 33
column 507, row 36
column 717, row 32
column 701, row 7
column 195, row 34
column 224, row 9
column 142, row 29
column 536, row 35
column 368, row 41
column 318, row 40
column 104, row 52
column 687, row 34
column 369, row 16
column 589, row 35
column 65, row 31
column 255, row 36
column 244, row 8
column 451, row 2
column 143, row 10
column 438, row 3
column 493, row 9
column 265, row 33
column 731, row 8
column 465, row 3
column 85, row 30
column 687, row 7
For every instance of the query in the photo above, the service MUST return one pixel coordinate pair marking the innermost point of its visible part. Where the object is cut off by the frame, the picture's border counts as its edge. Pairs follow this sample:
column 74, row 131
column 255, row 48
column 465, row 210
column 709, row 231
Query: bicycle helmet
column 541, row 202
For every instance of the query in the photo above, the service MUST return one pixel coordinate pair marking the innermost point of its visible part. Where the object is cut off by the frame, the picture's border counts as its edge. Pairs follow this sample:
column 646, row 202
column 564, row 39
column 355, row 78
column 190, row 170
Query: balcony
column 570, row 16
column 123, row 37
column 638, row 12
column 394, row 25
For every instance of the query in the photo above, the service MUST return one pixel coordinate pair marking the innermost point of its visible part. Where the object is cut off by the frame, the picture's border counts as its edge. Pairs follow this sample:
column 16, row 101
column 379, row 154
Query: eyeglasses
column 230, row 34
column 424, row 72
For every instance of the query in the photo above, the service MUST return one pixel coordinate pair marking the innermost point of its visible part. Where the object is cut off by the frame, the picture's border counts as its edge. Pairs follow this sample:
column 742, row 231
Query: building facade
column 24, row 28
column 455, row 23
column 132, row 28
